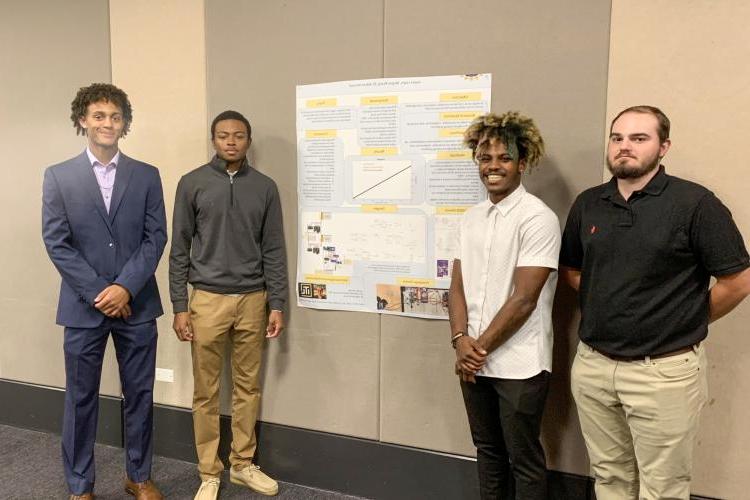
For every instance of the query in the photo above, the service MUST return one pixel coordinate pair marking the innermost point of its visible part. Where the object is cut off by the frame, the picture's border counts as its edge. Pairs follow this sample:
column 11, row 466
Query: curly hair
column 100, row 92
column 518, row 133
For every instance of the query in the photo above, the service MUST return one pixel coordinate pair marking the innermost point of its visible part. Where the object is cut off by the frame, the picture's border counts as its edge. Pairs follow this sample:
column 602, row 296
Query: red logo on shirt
column 593, row 229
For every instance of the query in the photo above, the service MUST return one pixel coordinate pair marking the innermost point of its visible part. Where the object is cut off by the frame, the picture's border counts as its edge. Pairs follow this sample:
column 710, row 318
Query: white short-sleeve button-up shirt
column 495, row 239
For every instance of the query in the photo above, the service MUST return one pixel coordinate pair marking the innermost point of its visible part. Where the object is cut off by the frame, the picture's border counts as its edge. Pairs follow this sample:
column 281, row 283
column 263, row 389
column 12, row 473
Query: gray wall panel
column 48, row 49
column 322, row 373
column 546, row 60
column 549, row 62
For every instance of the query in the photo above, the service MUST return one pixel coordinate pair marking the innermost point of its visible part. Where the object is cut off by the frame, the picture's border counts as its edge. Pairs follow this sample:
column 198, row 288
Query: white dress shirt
column 495, row 239
column 105, row 175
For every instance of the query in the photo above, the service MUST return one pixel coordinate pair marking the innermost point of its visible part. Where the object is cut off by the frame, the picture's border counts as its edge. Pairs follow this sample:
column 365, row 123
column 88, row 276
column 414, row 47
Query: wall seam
column 380, row 316
column 382, row 36
column 605, row 171
column 112, row 81
column 109, row 35
column 205, row 77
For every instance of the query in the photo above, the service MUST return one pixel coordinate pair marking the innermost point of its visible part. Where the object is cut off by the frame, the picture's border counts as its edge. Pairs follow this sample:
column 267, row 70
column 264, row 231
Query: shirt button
column 111, row 244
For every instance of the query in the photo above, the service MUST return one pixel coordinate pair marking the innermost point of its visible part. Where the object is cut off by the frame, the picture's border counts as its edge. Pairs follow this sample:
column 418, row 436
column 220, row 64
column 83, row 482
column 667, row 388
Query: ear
column 522, row 166
column 82, row 122
column 664, row 148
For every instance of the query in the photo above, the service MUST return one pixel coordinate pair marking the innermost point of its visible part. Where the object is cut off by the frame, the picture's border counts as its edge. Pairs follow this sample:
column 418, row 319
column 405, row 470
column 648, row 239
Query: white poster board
column 383, row 179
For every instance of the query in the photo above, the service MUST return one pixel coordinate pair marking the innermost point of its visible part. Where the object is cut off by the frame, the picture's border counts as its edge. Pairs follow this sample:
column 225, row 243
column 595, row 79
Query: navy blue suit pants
column 135, row 346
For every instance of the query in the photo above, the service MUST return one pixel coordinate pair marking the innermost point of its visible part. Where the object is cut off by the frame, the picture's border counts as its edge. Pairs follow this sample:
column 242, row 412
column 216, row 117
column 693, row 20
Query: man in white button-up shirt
column 500, row 306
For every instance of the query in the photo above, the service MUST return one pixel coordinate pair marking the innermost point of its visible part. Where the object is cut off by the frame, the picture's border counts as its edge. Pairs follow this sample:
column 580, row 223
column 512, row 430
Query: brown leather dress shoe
column 146, row 490
column 85, row 496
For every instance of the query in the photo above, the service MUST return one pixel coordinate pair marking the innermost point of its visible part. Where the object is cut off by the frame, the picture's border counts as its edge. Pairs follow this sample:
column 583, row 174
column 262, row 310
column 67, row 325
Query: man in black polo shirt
column 641, row 250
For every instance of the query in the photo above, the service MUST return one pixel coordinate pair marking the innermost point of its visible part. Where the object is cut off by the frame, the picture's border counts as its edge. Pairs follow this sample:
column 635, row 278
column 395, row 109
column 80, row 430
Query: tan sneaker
column 253, row 478
column 209, row 489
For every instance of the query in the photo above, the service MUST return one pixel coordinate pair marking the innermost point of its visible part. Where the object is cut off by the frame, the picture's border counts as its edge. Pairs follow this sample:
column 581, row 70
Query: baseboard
column 330, row 461
column 346, row 464
column 41, row 408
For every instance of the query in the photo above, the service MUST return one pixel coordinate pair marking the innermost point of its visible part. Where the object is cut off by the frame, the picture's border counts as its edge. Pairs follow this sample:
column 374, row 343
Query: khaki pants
column 241, row 321
column 639, row 420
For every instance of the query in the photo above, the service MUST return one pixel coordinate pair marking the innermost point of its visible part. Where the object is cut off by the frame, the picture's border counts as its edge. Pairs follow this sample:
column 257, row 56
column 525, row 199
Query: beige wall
column 691, row 60
column 162, row 66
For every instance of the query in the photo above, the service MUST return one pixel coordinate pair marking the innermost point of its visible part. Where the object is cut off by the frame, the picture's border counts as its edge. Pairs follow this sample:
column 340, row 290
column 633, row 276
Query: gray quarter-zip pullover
column 227, row 235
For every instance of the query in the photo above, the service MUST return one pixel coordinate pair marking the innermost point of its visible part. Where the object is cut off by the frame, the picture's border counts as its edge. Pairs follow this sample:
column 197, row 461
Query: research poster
column 383, row 178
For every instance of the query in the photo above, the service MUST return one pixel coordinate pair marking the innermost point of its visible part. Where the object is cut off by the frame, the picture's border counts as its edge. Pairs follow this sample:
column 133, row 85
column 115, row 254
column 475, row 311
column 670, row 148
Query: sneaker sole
column 268, row 493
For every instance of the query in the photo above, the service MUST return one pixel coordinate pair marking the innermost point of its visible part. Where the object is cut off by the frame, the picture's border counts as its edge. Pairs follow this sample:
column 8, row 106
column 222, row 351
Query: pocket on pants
column 585, row 352
column 579, row 372
column 192, row 300
column 201, row 303
column 684, row 366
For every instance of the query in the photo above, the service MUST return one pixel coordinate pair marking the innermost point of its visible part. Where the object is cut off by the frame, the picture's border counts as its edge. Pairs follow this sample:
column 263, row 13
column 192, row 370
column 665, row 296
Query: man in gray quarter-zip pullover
column 228, row 243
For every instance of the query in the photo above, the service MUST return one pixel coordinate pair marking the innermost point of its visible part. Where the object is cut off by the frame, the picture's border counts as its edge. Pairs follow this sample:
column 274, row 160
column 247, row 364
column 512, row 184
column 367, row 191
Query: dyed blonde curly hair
column 518, row 133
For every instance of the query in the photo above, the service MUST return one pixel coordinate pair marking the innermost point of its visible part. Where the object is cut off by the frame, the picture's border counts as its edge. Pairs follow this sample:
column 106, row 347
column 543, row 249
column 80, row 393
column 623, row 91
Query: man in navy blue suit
column 104, row 227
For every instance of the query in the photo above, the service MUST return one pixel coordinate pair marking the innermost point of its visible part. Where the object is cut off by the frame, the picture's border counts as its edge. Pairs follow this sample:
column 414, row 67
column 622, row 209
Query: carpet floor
column 31, row 469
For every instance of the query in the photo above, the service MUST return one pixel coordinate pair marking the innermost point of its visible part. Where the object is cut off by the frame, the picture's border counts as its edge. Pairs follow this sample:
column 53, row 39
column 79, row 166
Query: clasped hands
column 470, row 357
column 114, row 301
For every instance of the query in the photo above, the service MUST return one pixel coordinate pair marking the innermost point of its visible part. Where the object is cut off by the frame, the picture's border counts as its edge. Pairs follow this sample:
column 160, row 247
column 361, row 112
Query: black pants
column 505, row 417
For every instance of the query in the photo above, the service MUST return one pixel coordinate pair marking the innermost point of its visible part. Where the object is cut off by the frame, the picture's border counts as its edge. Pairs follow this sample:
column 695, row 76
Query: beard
column 622, row 171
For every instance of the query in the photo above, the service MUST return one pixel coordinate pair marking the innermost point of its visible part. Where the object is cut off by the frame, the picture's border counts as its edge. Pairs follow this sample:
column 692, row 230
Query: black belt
column 615, row 357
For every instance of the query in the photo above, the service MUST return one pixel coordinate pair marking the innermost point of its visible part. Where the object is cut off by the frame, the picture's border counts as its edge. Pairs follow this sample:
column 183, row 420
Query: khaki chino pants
column 239, row 320
column 639, row 420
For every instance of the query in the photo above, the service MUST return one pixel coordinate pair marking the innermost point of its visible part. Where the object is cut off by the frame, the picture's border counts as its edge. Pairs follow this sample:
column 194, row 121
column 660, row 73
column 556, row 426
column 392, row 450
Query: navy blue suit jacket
column 93, row 249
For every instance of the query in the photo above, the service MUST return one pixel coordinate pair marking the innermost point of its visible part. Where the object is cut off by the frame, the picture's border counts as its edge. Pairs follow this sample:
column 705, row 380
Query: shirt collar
column 94, row 162
column 657, row 183
column 507, row 204
column 221, row 166
column 654, row 187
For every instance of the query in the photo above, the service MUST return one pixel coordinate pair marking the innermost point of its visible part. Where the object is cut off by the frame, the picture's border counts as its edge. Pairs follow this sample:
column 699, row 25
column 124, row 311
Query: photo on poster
column 425, row 301
column 389, row 298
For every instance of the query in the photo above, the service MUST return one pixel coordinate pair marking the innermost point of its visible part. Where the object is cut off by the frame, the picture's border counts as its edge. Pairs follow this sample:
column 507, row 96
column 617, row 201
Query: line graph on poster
column 381, row 180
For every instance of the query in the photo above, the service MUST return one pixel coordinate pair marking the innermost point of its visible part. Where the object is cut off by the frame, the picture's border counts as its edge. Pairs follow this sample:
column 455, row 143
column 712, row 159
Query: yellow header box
column 450, row 210
column 378, row 151
column 320, row 134
column 450, row 116
column 460, row 96
column 452, row 132
column 327, row 278
column 322, row 103
column 425, row 282
column 454, row 155
column 379, row 209
column 378, row 100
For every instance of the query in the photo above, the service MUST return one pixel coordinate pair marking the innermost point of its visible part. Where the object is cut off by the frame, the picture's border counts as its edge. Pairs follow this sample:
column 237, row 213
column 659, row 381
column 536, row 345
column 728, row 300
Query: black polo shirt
column 646, row 263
